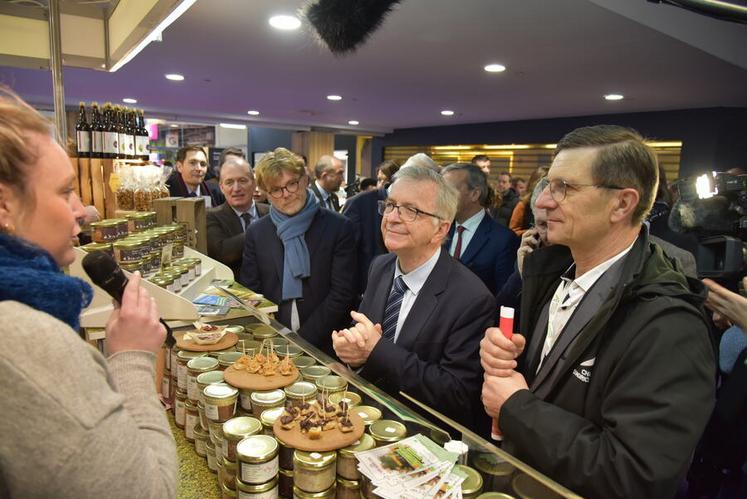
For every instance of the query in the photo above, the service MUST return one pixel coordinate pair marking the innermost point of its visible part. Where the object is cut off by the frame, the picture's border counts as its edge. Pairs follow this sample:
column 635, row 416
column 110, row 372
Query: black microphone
column 107, row 274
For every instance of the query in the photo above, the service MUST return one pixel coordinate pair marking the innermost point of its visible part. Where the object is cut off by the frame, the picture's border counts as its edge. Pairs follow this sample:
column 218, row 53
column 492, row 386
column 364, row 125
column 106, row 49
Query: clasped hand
column 353, row 345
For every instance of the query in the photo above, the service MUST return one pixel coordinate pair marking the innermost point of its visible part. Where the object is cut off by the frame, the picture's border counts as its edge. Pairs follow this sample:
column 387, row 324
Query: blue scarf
column 290, row 230
column 29, row 275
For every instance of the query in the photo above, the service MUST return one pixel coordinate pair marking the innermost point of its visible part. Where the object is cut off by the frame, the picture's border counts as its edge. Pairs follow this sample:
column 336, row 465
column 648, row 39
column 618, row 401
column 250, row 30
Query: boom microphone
column 107, row 274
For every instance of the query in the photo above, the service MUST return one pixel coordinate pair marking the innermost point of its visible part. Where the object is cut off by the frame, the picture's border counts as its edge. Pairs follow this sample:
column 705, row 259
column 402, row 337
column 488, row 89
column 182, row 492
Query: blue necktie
column 247, row 218
column 391, row 312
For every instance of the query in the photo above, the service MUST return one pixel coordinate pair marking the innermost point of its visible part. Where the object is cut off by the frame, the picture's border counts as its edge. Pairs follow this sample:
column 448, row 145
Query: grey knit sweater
column 74, row 424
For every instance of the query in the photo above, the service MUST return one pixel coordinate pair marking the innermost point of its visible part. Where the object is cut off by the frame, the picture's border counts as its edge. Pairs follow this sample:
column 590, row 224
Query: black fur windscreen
column 344, row 24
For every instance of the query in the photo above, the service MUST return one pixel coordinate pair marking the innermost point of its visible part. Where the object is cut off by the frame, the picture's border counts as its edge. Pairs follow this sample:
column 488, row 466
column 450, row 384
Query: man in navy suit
column 188, row 179
column 481, row 244
column 301, row 256
column 419, row 324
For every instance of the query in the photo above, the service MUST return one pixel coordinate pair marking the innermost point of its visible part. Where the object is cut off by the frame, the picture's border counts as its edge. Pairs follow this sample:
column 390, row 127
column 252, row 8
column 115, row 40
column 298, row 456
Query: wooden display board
column 189, row 210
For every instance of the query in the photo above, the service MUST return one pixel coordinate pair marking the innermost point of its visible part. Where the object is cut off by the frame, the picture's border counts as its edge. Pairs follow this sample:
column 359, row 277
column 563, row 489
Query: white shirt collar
column 252, row 211
column 472, row 222
column 586, row 281
column 415, row 279
column 322, row 191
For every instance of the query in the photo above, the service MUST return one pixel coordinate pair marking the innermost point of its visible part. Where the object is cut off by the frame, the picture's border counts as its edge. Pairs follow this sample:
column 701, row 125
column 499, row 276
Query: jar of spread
column 331, row 384
column 205, row 379
column 235, row 430
column 212, row 459
column 472, row 485
column 268, row 418
column 227, row 474
column 220, row 402
column 105, row 231
column 128, row 250
column 313, row 373
column 182, row 358
column 290, row 351
column 347, row 489
column 367, row 413
column 263, row 332
column 227, row 493
column 314, row 471
column 226, row 359
column 268, row 490
column 350, row 398
column 325, row 494
column 105, row 247
column 257, row 459
column 245, row 400
column 215, row 431
column 195, row 367
column 247, row 346
column 201, row 439
column 204, row 423
column 387, row 431
column 303, row 361
column 166, row 385
column 285, row 455
column 191, row 419
column 180, row 414
column 261, row 401
column 135, row 266
column 347, row 464
column 299, row 392
column 285, row 483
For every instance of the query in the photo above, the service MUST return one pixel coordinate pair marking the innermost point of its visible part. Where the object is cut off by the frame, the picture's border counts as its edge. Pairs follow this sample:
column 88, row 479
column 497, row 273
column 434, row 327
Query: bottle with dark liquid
column 142, row 138
column 119, row 122
column 83, row 133
column 130, row 131
column 97, row 132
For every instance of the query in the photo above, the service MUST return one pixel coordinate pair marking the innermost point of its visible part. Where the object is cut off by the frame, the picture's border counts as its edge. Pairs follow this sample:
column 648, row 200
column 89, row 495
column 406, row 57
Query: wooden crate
column 84, row 179
column 189, row 210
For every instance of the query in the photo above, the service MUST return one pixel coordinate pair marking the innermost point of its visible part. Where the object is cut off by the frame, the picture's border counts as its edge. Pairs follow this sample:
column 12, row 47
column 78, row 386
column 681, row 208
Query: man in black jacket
column 188, row 179
column 617, row 381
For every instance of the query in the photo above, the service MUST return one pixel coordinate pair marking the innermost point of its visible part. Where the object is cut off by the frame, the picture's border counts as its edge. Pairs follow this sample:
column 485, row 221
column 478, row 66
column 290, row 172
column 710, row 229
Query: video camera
column 713, row 206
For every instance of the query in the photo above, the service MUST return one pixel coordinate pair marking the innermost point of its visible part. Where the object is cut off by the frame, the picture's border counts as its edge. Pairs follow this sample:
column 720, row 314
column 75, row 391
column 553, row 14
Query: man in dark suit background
column 301, row 257
column 329, row 176
column 227, row 223
column 419, row 324
column 188, row 179
column 479, row 242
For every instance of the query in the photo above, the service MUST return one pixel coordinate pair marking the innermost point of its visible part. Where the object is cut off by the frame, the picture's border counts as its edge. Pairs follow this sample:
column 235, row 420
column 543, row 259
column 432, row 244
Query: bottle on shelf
column 119, row 122
column 97, row 132
column 83, row 133
column 142, row 138
column 111, row 139
column 131, row 131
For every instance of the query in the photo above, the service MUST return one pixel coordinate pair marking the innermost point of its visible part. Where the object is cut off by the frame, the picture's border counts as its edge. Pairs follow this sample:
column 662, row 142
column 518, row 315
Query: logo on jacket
column 583, row 371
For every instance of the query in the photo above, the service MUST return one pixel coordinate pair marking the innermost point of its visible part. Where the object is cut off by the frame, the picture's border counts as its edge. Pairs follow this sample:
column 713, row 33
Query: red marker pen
column 506, row 324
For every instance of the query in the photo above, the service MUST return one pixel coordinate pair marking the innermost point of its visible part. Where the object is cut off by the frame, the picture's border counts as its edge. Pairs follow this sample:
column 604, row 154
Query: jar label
column 270, row 494
column 200, row 446
column 165, row 387
column 192, row 388
column 259, row 472
column 180, row 412
column 212, row 462
column 181, row 376
column 211, row 411
column 84, row 142
column 191, row 421
column 246, row 402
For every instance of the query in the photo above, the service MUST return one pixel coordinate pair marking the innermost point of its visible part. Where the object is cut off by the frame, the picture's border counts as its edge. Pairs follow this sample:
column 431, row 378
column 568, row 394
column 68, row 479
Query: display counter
column 215, row 418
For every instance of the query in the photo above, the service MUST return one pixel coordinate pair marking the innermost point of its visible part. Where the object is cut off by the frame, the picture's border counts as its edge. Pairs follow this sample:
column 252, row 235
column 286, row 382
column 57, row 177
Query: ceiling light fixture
column 253, row 113
column 495, row 68
column 447, row 112
column 285, row 23
column 354, row 122
column 334, row 97
column 614, row 97
column 234, row 126
column 174, row 77
column 129, row 100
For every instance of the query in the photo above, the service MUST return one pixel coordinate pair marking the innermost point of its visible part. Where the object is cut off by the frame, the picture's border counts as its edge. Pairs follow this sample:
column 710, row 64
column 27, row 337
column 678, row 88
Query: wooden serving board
column 258, row 382
column 229, row 339
column 330, row 440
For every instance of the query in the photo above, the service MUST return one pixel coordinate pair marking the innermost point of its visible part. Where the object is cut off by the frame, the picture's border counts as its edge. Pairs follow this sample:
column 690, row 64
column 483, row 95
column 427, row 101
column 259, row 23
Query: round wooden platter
column 258, row 382
column 330, row 440
column 229, row 339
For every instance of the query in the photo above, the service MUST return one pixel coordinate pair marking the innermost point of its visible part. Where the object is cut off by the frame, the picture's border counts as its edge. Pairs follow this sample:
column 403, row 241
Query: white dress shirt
column 568, row 295
column 252, row 211
column 415, row 279
column 470, row 226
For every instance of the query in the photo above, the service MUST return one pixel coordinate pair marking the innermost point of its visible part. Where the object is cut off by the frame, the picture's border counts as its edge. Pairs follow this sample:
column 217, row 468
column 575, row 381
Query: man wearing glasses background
column 419, row 325
column 227, row 223
column 188, row 179
column 617, row 381
column 301, row 257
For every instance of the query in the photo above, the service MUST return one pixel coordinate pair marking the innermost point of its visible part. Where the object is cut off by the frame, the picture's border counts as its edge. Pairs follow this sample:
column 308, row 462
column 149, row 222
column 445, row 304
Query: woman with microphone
column 75, row 423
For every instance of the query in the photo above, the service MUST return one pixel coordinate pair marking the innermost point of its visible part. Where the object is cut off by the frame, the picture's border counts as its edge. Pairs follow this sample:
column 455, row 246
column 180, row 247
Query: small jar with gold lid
column 191, row 419
column 205, row 379
column 387, row 431
column 314, row 471
column 128, row 250
column 104, row 231
column 350, row 398
column 325, row 494
column 201, row 439
column 367, row 413
column 331, row 384
column 257, row 459
column 235, row 430
column 212, row 458
column 496, row 473
column 472, row 485
column 263, row 332
column 261, row 401
column 227, row 473
column 347, row 464
column 299, row 392
column 268, row 418
column 303, row 361
column 220, row 402
column 105, row 247
column 267, row 490
column 348, row 489
column 195, row 367
column 182, row 358
column 313, row 373
column 285, row 483
column 180, row 412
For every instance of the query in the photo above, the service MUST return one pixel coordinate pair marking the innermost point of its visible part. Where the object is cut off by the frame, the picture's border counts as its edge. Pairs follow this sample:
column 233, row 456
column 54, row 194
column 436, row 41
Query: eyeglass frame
column 279, row 190
column 382, row 205
column 575, row 186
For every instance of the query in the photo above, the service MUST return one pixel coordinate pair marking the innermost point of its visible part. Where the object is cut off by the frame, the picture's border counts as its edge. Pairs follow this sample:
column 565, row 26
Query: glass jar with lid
column 347, row 464
column 267, row 490
column 299, row 392
column 220, row 402
column 235, row 430
column 195, row 367
column 257, row 459
column 261, row 401
column 387, row 431
column 314, row 471
column 105, row 231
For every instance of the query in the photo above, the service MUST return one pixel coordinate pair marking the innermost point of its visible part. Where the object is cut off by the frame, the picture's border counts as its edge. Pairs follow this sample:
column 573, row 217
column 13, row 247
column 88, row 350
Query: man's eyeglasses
column 291, row 187
column 242, row 182
column 406, row 213
column 559, row 188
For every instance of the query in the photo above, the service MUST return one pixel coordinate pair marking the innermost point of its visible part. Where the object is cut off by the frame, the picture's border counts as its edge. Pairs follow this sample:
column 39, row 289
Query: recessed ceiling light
column 129, row 100
column 235, row 126
column 253, row 112
column 354, row 122
column 174, row 77
column 495, row 68
column 174, row 126
column 285, row 23
column 614, row 96
column 334, row 97
column 447, row 112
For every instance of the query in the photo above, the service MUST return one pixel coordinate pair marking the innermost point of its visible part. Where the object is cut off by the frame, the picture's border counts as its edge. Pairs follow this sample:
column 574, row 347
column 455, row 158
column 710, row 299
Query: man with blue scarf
column 301, row 257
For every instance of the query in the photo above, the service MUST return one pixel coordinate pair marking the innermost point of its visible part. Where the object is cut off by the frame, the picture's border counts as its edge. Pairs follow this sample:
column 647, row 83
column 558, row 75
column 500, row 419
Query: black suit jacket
column 363, row 210
column 333, row 197
column 225, row 235
column 328, row 293
column 178, row 188
column 436, row 356
column 491, row 253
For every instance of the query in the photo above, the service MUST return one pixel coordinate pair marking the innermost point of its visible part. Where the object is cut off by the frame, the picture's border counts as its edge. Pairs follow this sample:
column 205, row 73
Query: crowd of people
column 606, row 386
